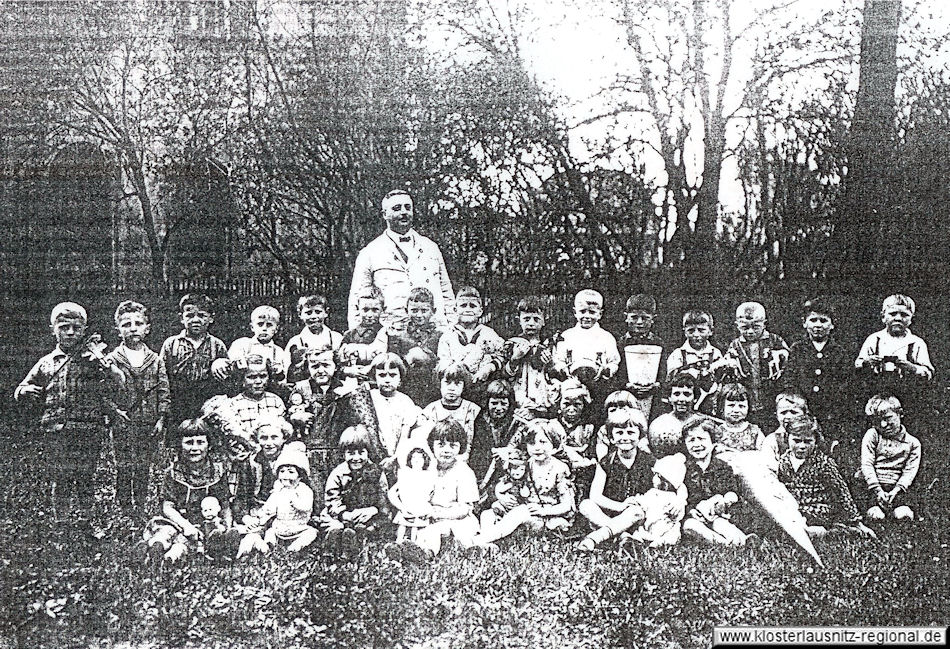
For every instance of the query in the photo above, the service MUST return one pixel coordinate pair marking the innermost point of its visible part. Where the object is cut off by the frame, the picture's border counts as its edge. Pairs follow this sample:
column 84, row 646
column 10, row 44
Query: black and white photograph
column 474, row 323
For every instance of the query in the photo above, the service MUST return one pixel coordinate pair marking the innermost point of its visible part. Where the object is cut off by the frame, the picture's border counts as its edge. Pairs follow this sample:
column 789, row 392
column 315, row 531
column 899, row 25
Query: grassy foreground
column 64, row 588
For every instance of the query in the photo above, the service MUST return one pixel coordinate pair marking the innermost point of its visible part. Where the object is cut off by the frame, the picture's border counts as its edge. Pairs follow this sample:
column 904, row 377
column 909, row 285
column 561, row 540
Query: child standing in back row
column 758, row 358
column 527, row 361
column 145, row 400
column 71, row 386
column 265, row 323
column 474, row 345
column 698, row 358
column 189, row 359
column 587, row 351
column 313, row 311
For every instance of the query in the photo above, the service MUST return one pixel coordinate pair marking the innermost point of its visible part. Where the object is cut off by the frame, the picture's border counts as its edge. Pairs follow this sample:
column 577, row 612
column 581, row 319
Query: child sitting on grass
column 144, row 397
column 193, row 475
column 271, row 434
column 551, row 505
column 71, row 386
column 395, row 412
column 624, row 474
column 453, row 380
column 788, row 406
column 890, row 459
column 663, row 506
column 285, row 517
column 265, row 322
column 580, row 443
column 412, row 495
column 494, row 429
column 735, row 433
column 712, row 488
column 313, row 311
column 354, row 496
column 527, row 358
column 454, row 494
column 617, row 400
column 816, row 484
column 512, row 488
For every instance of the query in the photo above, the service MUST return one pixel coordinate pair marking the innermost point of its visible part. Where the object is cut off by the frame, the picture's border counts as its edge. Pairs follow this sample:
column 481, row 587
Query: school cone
column 771, row 496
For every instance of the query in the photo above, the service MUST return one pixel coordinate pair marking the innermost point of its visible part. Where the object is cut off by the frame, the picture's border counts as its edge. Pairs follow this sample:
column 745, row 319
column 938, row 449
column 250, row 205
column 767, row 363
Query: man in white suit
column 399, row 260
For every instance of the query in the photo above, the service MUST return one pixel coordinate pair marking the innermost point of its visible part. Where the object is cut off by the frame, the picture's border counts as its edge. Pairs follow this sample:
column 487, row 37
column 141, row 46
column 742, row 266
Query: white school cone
column 765, row 489
column 643, row 366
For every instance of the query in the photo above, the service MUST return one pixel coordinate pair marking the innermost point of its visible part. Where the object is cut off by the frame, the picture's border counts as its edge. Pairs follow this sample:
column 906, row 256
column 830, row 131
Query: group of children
column 408, row 433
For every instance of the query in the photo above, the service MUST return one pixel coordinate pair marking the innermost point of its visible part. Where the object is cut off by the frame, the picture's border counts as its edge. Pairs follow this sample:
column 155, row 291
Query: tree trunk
column 860, row 235
column 156, row 250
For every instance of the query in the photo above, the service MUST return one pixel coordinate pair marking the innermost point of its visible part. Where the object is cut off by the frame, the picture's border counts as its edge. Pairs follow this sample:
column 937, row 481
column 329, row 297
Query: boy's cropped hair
column 899, row 300
column 128, row 306
column 67, row 311
column 255, row 361
column 355, row 438
column 373, row 293
column 548, row 427
column 692, row 318
column 312, row 301
column 640, row 302
column 198, row 300
column 449, row 430
column 422, row 294
column 387, row 361
column 821, row 306
column 468, row 291
column 573, row 387
column 530, row 304
column 588, row 296
column 880, row 404
column 273, row 421
column 456, row 372
column 682, row 380
column 266, row 311
column 703, row 423
column 793, row 397
column 750, row 311
column 500, row 390
column 626, row 417
column 805, row 425
column 314, row 352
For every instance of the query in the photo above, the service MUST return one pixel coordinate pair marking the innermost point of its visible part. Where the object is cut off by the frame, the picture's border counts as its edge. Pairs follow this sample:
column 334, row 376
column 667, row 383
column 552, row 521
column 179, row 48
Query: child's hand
column 545, row 356
column 159, row 429
column 221, row 369
column 481, row 375
column 507, row 500
column 29, row 391
column 519, row 350
column 363, row 515
column 535, row 509
column 191, row 532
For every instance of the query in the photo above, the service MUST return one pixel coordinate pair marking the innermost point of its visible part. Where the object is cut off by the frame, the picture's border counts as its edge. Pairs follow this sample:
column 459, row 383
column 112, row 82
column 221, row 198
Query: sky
column 576, row 49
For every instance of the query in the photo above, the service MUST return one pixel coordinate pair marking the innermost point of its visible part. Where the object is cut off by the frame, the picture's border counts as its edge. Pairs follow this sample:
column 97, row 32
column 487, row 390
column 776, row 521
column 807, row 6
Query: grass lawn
column 62, row 588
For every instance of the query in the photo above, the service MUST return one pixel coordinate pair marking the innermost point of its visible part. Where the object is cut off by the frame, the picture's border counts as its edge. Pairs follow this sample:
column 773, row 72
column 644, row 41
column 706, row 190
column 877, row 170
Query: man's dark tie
column 405, row 239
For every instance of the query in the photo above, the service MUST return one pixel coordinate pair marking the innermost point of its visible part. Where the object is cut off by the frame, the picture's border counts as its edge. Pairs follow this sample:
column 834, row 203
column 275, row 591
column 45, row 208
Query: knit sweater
column 889, row 462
